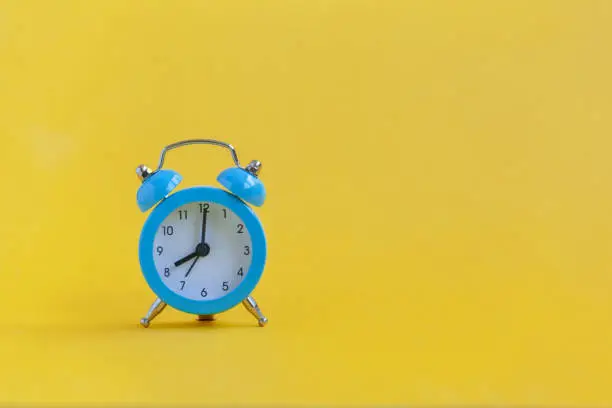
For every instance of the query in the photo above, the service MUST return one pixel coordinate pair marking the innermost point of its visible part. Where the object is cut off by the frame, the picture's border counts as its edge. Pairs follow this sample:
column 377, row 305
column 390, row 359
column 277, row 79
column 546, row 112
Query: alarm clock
column 202, row 249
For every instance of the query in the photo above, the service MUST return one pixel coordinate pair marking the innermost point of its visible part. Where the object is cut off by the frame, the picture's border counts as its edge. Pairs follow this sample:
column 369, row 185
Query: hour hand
column 186, row 259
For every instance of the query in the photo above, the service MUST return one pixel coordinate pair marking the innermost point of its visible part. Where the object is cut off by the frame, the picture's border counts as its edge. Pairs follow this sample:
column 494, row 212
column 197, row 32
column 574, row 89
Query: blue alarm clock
column 202, row 249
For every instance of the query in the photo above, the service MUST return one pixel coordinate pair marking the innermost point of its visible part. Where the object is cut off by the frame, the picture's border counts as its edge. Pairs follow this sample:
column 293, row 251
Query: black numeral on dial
column 169, row 230
column 240, row 229
column 167, row 272
column 182, row 214
column 240, row 272
column 182, row 285
column 204, row 207
column 247, row 250
column 160, row 250
column 225, row 286
column 204, row 293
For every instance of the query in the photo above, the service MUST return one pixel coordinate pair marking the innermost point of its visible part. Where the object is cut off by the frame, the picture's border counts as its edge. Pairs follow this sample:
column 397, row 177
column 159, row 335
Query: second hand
column 192, row 265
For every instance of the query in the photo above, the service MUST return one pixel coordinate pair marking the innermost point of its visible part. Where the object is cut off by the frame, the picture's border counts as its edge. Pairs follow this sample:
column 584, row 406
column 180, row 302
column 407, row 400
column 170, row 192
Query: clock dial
column 202, row 270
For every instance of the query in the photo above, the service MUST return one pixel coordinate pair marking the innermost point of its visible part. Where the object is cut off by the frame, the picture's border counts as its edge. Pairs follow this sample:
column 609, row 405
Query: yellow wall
column 439, row 212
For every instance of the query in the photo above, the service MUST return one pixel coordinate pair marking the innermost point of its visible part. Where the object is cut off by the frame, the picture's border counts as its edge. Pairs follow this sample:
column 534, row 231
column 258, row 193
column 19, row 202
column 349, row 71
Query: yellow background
column 439, row 212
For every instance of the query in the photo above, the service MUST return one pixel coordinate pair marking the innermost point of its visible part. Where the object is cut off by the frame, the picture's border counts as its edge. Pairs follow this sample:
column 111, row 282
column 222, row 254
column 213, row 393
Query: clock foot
column 250, row 305
column 156, row 308
column 206, row 318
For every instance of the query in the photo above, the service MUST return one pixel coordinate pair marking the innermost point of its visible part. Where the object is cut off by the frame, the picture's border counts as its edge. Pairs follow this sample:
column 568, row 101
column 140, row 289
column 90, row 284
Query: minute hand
column 204, row 212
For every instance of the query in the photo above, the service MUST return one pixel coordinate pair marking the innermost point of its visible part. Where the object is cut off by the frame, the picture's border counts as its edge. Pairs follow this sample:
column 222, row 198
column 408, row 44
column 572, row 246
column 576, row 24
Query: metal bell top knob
column 254, row 167
column 143, row 172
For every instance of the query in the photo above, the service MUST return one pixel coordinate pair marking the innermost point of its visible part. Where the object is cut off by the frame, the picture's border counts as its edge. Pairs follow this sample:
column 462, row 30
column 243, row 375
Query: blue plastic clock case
column 156, row 193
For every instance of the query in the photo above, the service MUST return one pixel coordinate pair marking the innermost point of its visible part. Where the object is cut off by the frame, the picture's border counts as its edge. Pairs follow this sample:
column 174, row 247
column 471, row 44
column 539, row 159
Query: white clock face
column 202, row 270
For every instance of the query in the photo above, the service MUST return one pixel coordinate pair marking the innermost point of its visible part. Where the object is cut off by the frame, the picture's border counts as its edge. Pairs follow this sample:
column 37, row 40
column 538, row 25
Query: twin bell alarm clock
column 202, row 249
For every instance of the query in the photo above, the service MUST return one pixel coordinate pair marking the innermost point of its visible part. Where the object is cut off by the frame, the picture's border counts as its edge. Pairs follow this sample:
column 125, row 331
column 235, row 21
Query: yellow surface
column 439, row 211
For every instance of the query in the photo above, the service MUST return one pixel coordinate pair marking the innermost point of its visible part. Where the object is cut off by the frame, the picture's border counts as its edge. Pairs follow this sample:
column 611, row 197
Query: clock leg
column 250, row 305
column 156, row 308
column 206, row 318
